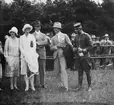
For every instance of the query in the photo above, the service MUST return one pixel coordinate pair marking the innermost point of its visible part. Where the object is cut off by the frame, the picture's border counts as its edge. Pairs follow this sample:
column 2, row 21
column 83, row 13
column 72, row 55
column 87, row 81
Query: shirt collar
column 37, row 32
column 58, row 34
column 26, row 36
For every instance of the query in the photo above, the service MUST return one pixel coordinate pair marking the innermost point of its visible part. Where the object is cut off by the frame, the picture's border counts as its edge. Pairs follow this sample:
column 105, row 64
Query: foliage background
column 97, row 19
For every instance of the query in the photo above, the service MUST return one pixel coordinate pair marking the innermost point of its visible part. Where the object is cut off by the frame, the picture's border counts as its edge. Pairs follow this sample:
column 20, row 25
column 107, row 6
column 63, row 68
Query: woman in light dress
column 11, row 53
column 1, row 52
column 29, row 62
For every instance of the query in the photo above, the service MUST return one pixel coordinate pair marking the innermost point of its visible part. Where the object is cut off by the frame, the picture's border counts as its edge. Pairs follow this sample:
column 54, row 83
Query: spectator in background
column 106, row 49
column 93, row 37
column 1, row 52
column 73, row 35
column 6, row 36
column 11, row 52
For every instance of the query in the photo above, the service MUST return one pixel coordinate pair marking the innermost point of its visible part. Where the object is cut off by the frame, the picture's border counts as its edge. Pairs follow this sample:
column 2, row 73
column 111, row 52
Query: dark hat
column 37, row 23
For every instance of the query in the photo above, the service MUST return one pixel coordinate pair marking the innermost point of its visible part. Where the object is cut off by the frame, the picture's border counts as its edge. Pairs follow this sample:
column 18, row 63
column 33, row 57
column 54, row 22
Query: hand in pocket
column 31, row 44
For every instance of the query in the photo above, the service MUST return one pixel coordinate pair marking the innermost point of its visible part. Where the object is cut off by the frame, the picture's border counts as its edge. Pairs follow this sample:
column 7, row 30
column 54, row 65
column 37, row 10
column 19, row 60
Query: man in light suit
column 41, row 41
column 58, row 42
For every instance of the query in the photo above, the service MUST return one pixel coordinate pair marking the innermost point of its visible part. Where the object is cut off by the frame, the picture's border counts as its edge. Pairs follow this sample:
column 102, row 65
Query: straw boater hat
column 27, row 26
column 106, row 35
column 37, row 23
column 93, row 36
column 57, row 25
column 13, row 29
column 77, row 24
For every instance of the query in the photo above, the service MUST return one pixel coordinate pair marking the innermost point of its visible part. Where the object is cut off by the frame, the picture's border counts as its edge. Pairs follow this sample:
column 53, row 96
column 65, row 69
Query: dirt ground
column 102, row 91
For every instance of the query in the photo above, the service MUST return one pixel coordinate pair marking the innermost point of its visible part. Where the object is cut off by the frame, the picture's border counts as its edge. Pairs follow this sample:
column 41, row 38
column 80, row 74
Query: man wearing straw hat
column 58, row 42
column 106, row 46
column 41, row 41
column 83, row 44
column 29, row 62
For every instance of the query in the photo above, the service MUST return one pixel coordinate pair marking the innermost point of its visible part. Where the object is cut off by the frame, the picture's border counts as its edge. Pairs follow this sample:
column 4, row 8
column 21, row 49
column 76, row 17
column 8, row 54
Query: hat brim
column 57, row 27
column 12, row 31
column 26, row 28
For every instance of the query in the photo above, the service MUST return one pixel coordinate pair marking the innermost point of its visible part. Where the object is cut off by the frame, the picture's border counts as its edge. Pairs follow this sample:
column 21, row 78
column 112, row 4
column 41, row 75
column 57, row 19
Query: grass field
column 102, row 91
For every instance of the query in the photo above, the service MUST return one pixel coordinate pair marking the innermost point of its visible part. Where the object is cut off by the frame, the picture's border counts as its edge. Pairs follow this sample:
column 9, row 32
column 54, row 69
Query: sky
column 9, row 1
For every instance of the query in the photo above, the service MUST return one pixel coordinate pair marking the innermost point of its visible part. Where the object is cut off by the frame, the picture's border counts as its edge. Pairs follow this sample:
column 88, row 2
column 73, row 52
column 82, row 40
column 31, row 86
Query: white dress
column 29, row 57
column 11, row 52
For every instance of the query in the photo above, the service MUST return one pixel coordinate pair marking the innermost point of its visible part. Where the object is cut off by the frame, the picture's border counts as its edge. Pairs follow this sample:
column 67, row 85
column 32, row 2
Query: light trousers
column 60, row 67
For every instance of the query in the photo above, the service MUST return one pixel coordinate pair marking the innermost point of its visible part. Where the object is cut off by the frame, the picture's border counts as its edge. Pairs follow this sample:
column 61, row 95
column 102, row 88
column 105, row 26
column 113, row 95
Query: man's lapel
column 56, row 39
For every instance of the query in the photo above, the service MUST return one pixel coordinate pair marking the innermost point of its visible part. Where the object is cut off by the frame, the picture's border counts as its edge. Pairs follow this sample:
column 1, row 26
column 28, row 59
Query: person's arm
column 68, row 41
column 21, row 46
column 43, row 42
column 89, row 43
column 34, row 42
column 6, row 48
column 1, row 50
column 53, row 47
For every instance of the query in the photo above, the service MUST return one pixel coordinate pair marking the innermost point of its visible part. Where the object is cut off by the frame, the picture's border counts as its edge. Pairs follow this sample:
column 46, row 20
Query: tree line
column 96, row 19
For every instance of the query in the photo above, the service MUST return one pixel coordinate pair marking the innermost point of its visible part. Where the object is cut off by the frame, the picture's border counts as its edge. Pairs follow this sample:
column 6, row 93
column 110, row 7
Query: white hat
column 93, row 36
column 106, row 35
column 57, row 25
column 27, row 26
column 77, row 24
column 6, row 36
column 14, row 29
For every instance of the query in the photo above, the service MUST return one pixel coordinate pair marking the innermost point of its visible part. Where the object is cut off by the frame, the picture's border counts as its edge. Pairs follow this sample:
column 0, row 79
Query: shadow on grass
column 60, row 103
column 14, row 97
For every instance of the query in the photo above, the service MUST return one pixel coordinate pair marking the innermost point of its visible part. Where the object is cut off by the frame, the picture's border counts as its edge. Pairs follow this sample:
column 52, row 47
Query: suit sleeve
column 68, row 41
column 53, row 47
column 1, row 50
column 89, row 43
column 6, row 48
column 44, row 41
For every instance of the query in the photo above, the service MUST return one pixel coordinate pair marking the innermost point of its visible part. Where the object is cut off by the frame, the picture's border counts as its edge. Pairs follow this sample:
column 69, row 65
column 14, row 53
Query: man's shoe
column 78, row 88
column 66, row 89
column 0, row 89
column 33, row 89
column 89, row 89
column 43, row 86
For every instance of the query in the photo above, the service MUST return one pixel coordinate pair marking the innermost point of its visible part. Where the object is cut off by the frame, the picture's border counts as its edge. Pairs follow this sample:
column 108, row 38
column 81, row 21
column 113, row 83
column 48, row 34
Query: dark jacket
column 83, row 41
column 69, row 55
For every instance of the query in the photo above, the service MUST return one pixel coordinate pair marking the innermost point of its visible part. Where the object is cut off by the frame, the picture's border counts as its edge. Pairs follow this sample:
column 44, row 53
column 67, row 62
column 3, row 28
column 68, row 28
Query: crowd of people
column 27, row 55
column 101, row 49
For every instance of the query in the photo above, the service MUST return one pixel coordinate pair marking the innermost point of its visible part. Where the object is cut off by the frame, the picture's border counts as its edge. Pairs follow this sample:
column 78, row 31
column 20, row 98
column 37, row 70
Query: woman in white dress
column 29, row 62
column 11, row 53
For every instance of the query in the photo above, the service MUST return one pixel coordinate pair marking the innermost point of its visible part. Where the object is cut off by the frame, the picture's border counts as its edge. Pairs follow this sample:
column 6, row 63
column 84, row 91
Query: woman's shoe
column 15, row 87
column 11, row 87
column 26, row 89
column 33, row 89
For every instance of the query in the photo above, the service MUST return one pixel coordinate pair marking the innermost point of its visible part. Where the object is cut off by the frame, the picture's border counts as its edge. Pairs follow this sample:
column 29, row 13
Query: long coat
column 42, row 41
column 83, row 41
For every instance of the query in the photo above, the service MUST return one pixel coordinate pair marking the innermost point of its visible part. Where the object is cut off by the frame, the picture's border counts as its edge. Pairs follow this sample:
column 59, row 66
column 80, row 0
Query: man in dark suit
column 41, row 41
column 82, row 46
